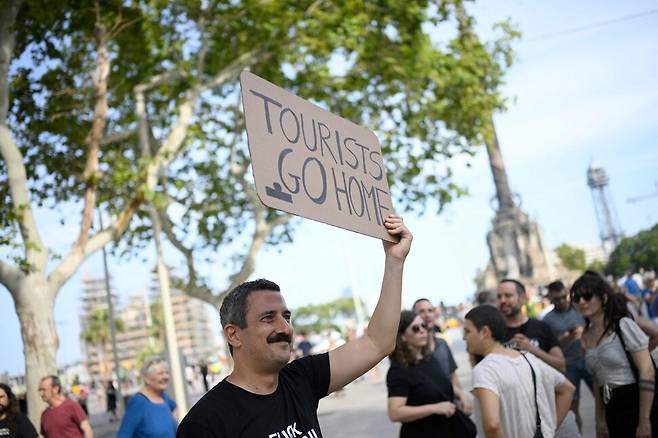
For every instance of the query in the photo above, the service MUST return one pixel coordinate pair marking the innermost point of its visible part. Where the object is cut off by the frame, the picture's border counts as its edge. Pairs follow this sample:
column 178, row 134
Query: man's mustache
column 279, row 337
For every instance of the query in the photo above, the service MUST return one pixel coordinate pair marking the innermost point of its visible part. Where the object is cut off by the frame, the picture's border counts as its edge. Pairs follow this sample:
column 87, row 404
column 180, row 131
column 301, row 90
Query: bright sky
column 575, row 97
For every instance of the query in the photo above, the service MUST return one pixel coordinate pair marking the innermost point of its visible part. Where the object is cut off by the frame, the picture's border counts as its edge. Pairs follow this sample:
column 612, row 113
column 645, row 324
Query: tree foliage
column 372, row 62
column 129, row 106
column 639, row 251
column 316, row 318
column 572, row 258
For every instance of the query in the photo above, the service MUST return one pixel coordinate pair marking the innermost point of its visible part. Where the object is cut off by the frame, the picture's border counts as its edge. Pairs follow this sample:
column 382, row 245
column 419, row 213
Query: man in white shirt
column 503, row 382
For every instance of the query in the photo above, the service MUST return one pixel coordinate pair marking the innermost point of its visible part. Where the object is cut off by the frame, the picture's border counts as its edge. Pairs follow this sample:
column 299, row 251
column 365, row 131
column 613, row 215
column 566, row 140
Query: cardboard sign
column 312, row 163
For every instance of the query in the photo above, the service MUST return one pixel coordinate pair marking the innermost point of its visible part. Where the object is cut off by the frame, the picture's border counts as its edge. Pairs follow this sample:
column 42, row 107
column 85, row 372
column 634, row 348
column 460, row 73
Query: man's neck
column 517, row 320
column 56, row 401
column 253, row 381
column 497, row 348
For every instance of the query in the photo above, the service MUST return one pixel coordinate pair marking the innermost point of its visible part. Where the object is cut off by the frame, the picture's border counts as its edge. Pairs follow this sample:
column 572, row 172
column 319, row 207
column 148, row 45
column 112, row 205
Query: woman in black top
column 13, row 423
column 419, row 393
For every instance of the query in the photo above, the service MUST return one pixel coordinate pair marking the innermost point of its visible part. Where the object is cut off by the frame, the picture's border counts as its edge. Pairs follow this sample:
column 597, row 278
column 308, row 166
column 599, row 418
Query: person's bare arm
column 398, row 410
column 354, row 358
column 86, row 429
column 650, row 329
column 553, row 357
column 563, row 397
column 465, row 403
column 599, row 411
column 646, row 376
column 490, row 407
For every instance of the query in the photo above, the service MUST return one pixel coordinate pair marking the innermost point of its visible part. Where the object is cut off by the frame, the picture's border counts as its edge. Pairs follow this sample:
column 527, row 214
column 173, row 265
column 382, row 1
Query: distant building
column 195, row 334
column 98, row 358
column 141, row 328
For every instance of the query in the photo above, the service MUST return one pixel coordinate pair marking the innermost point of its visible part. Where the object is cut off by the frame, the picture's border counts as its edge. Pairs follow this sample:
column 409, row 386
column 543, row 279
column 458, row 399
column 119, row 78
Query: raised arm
column 354, row 358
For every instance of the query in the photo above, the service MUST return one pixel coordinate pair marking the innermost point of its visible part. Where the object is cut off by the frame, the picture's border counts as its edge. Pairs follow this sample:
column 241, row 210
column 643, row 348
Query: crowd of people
column 526, row 372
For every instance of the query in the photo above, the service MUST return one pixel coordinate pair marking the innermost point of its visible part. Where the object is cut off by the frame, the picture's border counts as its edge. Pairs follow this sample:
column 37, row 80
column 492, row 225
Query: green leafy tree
column 96, row 332
column 639, row 251
column 572, row 258
column 131, row 107
column 315, row 318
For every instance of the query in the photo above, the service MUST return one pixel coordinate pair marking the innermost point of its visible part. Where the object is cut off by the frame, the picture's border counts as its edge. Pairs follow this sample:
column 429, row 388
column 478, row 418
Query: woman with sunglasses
column 151, row 413
column 420, row 394
column 616, row 351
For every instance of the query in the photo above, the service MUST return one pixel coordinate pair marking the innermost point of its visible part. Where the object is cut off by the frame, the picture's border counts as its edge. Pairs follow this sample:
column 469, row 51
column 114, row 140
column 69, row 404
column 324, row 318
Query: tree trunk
column 35, row 308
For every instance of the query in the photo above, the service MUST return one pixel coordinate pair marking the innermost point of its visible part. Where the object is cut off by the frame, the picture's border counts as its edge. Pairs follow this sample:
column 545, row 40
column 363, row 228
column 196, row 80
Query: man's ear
column 232, row 335
column 485, row 332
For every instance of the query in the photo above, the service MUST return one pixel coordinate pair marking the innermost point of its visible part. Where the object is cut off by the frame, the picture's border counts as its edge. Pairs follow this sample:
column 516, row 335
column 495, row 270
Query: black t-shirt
column 422, row 383
column 539, row 333
column 23, row 428
column 228, row 411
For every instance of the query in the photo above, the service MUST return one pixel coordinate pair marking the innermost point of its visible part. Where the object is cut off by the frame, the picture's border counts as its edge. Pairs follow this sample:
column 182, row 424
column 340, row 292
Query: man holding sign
column 266, row 396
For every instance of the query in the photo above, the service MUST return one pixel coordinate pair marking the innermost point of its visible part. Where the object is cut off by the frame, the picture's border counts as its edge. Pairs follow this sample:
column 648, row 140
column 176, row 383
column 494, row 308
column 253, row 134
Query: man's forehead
column 424, row 305
column 507, row 287
column 260, row 300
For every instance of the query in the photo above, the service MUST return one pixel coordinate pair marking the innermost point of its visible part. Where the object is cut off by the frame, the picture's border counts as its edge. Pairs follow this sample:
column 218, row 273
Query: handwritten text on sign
column 312, row 163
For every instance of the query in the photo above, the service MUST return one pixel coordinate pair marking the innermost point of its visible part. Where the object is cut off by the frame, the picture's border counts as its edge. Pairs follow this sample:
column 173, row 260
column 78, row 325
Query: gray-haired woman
column 150, row 412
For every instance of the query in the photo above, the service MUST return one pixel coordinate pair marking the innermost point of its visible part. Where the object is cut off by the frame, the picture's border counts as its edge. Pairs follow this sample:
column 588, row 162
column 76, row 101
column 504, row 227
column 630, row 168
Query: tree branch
column 188, row 253
column 77, row 254
column 118, row 137
column 35, row 251
column 234, row 68
column 205, row 39
column 158, row 80
column 10, row 277
column 91, row 174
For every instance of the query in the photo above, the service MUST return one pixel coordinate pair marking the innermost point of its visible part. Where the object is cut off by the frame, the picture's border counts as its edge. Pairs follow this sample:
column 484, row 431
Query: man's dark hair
column 556, row 286
column 520, row 288
column 12, row 408
column 486, row 297
column 491, row 317
column 420, row 300
column 234, row 307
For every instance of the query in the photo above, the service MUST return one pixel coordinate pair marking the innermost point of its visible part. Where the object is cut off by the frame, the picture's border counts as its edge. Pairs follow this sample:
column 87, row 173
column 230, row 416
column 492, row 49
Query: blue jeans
column 576, row 372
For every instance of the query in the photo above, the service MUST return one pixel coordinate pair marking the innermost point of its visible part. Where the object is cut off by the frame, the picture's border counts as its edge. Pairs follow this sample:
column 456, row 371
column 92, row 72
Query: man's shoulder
column 537, row 324
column 304, row 365
column 216, row 400
column 440, row 341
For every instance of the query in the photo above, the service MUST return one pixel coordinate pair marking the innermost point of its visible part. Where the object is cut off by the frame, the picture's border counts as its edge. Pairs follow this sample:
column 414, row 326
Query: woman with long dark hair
column 13, row 423
column 420, row 394
column 617, row 354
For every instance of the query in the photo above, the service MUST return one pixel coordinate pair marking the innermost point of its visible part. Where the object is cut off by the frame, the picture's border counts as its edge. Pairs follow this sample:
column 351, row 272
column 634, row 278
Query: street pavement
column 359, row 411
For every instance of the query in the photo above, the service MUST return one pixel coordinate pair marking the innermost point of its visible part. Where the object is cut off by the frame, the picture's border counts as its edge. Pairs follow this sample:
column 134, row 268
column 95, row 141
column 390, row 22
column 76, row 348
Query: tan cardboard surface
column 312, row 163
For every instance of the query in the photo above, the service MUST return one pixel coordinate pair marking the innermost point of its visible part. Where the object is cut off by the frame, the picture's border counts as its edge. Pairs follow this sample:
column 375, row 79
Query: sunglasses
column 587, row 296
column 416, row 327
